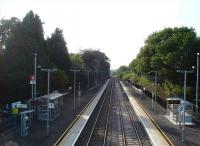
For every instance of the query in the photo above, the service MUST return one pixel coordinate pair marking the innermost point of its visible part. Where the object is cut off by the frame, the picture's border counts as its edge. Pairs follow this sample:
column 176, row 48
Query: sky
column 116, row 27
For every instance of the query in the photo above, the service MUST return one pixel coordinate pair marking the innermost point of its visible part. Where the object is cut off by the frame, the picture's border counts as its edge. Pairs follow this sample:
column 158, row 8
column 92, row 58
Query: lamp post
column 79, row 93
column 152, row 94
column 185, row 72
column 73, row 70
column 48, row 91
column 94, row 78
column 35, row 72
column 155, row 89
column 88, row 80
column 35, row 75
column 197, row 82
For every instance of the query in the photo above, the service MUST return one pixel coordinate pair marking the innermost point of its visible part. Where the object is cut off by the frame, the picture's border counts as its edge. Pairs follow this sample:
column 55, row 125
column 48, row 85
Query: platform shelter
column 55, row 105
column 175, row 111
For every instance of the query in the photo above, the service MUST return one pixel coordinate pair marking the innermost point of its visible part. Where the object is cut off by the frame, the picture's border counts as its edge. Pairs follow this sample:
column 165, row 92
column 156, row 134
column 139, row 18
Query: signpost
column 51, row 105
column 32, row 82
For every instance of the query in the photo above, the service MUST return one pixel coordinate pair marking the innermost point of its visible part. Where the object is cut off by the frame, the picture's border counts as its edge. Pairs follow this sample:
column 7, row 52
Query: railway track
column 113, row 122
column 139, row 135
column 99, row 130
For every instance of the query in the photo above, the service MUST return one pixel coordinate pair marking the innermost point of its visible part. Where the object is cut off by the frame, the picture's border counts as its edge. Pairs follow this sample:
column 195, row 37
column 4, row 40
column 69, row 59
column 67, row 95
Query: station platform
column 173, row 132
column 71, row 134
column 157, row 137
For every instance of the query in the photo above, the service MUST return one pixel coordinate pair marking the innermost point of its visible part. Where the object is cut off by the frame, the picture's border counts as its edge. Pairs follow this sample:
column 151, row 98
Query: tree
column 122, row 70
column 58, row 53
column 95, row 60
column 166, row 51
column 60, row 81
column 77, row 62
column 6, row 28
column 24, row 40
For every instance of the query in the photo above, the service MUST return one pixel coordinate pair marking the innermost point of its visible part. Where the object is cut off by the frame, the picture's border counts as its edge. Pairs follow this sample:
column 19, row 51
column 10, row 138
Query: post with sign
column 32, row 82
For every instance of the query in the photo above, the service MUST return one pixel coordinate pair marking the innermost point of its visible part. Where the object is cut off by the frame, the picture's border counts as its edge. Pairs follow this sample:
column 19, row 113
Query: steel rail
column 107, row 119
column 93, row 128
column 121, row 123
column 132, row 121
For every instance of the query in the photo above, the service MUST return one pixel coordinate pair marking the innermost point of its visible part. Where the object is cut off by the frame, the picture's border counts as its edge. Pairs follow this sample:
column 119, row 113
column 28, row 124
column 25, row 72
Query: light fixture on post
column 48, row 92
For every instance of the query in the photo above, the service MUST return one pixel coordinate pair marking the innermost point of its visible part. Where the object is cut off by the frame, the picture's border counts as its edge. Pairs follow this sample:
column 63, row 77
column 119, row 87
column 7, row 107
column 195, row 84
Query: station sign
column 51, row 105
column 14, row 104
column 21, row 105
column 32, row 79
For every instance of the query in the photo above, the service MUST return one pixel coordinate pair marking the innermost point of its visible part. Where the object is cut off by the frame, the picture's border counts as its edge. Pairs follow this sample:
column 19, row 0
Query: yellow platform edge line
column 157, row 126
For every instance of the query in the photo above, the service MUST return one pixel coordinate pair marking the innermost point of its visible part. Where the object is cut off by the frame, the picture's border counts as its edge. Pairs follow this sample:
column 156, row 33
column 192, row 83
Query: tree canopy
column 166, row 51
column 21, row 39
column 58, row 52
column 95, row 60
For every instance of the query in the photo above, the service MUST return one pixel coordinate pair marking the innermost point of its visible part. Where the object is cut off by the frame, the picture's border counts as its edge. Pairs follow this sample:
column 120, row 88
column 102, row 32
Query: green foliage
column 60, row 81
column 6, row 28
column 22, row 42
column 77, row 62
column 166, row 51
column 96, row 61
column 58, row 53
column 121, row 71
column 143, row 81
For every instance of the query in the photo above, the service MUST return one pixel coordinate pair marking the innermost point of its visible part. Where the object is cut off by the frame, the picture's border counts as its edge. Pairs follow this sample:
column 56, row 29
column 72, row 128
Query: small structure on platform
column 55, row 105
column 175, row 111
